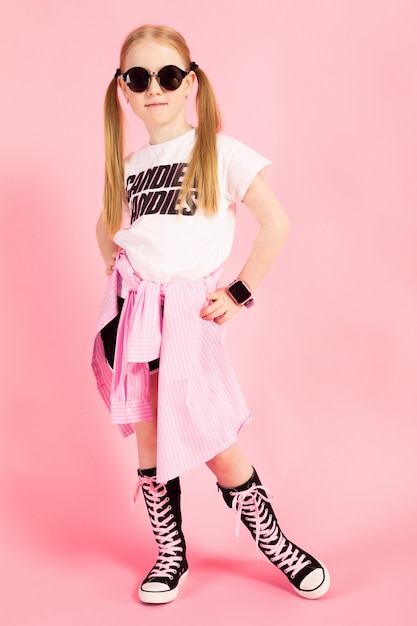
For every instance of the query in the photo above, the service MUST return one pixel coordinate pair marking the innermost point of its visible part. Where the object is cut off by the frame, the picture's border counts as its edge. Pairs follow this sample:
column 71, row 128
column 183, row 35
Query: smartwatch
column 241, row 293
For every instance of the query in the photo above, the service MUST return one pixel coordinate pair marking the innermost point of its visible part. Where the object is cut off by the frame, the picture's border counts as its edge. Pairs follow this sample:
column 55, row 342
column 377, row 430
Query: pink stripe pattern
column 201, row 408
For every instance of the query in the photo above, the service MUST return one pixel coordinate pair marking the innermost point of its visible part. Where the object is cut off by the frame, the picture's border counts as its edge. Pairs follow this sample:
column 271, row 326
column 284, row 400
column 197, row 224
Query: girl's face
column 162, row 111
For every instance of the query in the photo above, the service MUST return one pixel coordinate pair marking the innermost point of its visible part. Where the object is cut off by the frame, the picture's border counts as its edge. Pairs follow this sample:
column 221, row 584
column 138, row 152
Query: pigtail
column 202, row 168
column 114, row 194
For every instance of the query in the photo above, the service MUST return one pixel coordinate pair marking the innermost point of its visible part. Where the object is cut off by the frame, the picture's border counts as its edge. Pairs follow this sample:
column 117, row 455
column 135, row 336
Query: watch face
column 240, row 292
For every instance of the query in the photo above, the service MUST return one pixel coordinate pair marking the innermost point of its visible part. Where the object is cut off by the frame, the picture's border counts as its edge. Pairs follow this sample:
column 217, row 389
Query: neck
column 161, row 134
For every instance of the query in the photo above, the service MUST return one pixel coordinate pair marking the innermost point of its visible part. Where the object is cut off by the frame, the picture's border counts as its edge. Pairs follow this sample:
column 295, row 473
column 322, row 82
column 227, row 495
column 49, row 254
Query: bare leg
column 231, row 467
column 146, row 430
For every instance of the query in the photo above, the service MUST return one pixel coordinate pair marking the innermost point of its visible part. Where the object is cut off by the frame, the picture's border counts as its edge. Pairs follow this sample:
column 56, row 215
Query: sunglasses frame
column 125, row 77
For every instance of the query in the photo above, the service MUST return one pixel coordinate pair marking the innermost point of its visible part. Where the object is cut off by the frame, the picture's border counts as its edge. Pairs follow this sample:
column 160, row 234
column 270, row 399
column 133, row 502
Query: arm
column 108, row 247
column 274, row 227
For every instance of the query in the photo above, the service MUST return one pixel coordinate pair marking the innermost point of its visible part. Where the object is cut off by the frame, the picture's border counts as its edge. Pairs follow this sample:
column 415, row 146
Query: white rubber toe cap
column 315, row 584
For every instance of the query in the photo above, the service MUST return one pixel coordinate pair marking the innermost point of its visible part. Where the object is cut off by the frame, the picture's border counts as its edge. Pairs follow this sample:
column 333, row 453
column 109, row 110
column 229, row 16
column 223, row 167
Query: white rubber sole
column 161, row 597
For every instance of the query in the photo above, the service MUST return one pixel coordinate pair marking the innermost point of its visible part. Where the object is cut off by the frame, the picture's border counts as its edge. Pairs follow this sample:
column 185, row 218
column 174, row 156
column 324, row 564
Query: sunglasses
column 169, row 77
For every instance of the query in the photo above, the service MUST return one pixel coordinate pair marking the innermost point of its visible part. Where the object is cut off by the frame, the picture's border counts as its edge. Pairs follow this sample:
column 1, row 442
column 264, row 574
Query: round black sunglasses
column 169, row 77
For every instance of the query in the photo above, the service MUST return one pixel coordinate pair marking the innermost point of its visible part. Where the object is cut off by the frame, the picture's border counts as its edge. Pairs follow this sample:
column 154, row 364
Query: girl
column 166, row 228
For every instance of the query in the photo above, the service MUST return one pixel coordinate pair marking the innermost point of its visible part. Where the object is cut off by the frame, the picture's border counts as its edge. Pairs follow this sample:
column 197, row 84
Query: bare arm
column 108, row 247
column 274, row 227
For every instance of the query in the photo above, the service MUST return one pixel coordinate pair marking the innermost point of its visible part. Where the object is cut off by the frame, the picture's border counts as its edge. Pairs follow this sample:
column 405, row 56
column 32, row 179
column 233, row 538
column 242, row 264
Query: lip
column 155, row 104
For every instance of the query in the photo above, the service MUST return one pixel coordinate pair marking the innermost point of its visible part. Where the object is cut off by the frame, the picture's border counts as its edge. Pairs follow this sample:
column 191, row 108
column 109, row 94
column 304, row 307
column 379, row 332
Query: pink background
column 327, row 358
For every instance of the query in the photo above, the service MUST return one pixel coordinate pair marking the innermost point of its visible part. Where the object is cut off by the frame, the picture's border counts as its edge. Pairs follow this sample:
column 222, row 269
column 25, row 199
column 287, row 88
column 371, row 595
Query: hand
column 110, row 267
column 221, row 307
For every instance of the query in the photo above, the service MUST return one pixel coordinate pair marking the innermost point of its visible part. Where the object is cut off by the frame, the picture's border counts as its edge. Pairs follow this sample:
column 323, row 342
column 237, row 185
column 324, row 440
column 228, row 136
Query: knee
column 222, row 462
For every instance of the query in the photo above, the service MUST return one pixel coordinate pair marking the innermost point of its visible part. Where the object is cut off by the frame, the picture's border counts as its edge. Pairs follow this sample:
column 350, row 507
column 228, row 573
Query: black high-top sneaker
column 252, row 503
column 171, row 568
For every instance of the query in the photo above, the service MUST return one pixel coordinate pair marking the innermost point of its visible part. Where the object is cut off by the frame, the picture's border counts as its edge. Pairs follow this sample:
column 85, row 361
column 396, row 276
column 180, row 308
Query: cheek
column 177, row 98
column 137, row 105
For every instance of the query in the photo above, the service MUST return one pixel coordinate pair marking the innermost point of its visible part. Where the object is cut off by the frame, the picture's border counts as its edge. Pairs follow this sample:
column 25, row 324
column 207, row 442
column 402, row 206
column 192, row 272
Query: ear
column 125, row 89
column 189, row 81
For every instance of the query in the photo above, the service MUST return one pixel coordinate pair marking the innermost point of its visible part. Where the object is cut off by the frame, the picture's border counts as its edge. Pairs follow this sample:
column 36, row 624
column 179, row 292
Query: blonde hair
column 202, row 167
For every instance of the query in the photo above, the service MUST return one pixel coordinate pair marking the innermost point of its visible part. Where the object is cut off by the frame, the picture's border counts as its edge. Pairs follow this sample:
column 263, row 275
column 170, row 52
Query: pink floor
column 221, row 589
column 69, row 566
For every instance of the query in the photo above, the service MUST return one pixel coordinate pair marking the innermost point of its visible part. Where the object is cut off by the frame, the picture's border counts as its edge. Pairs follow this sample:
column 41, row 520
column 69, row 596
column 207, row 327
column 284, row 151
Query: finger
column 216, row 300
column 211, row 312
column 229, row 311
column 221, row 319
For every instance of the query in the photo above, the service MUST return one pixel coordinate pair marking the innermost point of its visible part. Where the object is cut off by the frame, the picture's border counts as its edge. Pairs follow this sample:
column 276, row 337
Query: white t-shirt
column 163, row 245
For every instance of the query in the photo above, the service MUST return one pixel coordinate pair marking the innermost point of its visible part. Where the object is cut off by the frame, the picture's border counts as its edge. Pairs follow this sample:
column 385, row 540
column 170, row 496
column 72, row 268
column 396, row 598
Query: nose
column 154, row 86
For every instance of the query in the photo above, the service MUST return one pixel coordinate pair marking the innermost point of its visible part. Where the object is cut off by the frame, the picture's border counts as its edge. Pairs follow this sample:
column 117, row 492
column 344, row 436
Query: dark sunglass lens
column 137, row 79
column 170, row 77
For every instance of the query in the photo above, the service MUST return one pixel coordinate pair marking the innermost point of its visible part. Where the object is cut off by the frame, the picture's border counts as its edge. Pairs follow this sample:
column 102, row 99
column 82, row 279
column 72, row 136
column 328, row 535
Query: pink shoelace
column 250, row 503
column 164, row 527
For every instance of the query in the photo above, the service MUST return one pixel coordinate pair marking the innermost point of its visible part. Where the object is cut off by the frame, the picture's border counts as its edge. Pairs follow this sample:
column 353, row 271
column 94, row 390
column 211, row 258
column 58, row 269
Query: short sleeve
column 238, row 166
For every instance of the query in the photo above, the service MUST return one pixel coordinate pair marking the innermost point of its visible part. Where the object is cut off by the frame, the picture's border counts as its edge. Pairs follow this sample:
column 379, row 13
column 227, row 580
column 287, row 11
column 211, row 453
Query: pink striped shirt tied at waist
column 201, row 408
